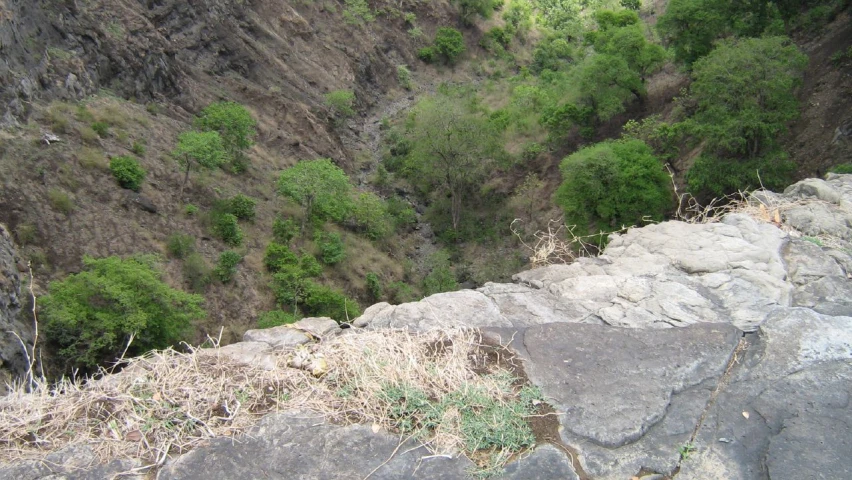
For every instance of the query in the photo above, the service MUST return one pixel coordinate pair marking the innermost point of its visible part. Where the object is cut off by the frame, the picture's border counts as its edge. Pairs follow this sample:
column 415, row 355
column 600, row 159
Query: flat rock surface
column 277, row 337
column 298, row 445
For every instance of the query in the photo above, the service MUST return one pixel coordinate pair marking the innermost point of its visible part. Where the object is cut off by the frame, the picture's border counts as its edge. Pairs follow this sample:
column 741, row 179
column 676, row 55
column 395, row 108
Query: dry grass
column 560, row 245
column 168, row 401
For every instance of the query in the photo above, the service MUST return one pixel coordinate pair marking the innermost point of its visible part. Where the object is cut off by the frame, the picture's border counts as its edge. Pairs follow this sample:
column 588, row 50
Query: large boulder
column 13, row 328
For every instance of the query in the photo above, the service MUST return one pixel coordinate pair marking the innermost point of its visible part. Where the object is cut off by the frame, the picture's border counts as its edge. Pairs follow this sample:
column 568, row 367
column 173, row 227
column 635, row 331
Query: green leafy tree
column 284, row 230
column 90, row 317
column 204, row 149
column 449, row 43
column 622, row 35
column 226, row 268
column 691, row 26
column 370, row 213
column 607, row 82
column 452, row 148
column 341, row 103
column 323, row 301
column 470, row 9
column 319, row 186
column 242, row 206
column 374, row 286
column 611, row 184
column 226, row 227
column 559, row 14
column 235, row 126
column 744, row 92
column 332, row 250
column 127, row 172
column 440, row 277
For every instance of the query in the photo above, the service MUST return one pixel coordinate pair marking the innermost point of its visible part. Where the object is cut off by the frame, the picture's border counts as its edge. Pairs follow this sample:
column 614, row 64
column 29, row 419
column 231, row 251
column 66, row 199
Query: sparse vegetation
column 180, row 245
column 226, row 268
column 242, row 207
column 226, row 227
column 60, row 201
column 235, row 126
column 341, row 102
column 127, row 172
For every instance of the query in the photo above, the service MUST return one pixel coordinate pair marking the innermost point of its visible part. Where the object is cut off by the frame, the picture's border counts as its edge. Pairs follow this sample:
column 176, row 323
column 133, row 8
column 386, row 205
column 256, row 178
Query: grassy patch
column 60, row 201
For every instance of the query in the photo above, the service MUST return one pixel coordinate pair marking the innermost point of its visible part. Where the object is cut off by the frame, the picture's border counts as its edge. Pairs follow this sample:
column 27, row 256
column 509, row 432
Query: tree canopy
column 205, row 149
column 90, row 317
column 318, row 185
column 235, row 126
column 611, row 184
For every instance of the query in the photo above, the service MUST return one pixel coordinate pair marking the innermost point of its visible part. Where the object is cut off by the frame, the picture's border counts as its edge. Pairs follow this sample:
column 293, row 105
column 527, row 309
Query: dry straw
column 166, row 402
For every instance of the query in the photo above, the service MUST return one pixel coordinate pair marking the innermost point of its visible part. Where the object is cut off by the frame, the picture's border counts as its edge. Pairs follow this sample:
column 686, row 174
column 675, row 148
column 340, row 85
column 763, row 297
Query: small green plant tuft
column 374, row 286
column 180, row 246
column 101, row 128
column 196, row 272
column 403, row 76
column 138, row 149
column 225, row 227
column 332, row 250
column 190, row 210
column 686, row 450
column 242, row 207
column 275, row 318
column 60, row 201
column 284, row 230
column 341, row 103
column 127, row 171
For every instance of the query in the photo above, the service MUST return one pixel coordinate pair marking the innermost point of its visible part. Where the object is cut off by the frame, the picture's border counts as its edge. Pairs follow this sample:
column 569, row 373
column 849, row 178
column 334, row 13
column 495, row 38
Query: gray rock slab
column 317, row 326
column 277, row 337
column 786, row 412
column 71, row 463
column 304, row 446
column 823, row 207
column 248, row 353
column 627, row 398
column 525, row 306
column 464, row 308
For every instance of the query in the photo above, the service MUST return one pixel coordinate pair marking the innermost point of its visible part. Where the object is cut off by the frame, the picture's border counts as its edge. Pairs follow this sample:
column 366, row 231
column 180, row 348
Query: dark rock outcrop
column 12, row 358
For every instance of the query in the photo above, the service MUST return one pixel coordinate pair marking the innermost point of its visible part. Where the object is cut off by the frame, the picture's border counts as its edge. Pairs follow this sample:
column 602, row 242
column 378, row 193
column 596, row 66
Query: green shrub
column 190, row 210
column 242, row 207
column 611, row 184
column 341, row 102
column 357, row 12
column 275, row 318
column 60, row 201
column 101, row 128
column 320, row 186
column 138, row 149
column 226, row 268
column 374, row 286
column 284, row 230
column 89, row 317
column 331, row 248
column 127, row 171
column 25, row 233
column 403, row 76
column 400, row 292
column 180, row 245
column 322, row 301
column 428, row 54
column 196, row 272
column 310, row 266
column 440, row 277
column 714, row 176
column 278, row 256
column 402, row 212
column 288, row 285
column 449, row 43
column 225, row 227
column 87, row 135
column 371, row 214
column 236, row 127
column 843, row 168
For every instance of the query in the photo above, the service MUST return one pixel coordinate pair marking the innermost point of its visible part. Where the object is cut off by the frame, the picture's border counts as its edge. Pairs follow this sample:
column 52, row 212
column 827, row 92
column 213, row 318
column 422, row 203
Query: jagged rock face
column 12, row 359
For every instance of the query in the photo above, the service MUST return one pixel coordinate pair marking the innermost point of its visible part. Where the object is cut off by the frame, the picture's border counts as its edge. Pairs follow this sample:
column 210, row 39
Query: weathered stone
column 277, row 337
column 248, row 353
column 317, row 326
column 466, row 308
column 525, row 306
column 12, row 324
column 72, row 463
column 823, row 207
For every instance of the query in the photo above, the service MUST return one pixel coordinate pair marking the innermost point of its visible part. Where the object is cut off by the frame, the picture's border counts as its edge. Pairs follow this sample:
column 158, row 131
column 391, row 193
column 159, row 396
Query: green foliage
column 309, row 265
column 843, row 168
column 275, row 318
column 611, row 184
column 190, row 210
column 225, row 227
column 691, row 26
column 449, row 44
column 180, row 246
column 236, row 127
column 663, row 138
column 289, row 285
column 278, row 256
column 322, row 301
column 101, row 128
column 284, row 230
column 551, row 53
column 719, row 176
column 744, row 92
column 400, row 292
column 374, row 286
column 357, row 12
column 428, row 54
column 196, row 272
column 607, row 82
column 332, row 250
column 403, row 76
column 242, row 207
column 138, row 149
column 60, row 201
column 89, row 317
column 127, row 171
column 318, row 185
column 559, row 14
column 226, row 268
column 402, row 212
column 440, row 277
column 341, row 102
column 470, row 9
column 205, row 149
column 518, row 16
column 370, row 213
column 631, row 4
column 621, row 34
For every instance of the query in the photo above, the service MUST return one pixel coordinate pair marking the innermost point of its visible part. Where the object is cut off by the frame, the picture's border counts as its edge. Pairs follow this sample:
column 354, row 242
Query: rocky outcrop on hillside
column 12, row 361
column 696, row 351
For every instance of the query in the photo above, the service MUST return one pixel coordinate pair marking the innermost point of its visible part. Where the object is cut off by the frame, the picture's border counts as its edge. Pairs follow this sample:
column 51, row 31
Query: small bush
column 449, row 42
column 403, row 76
column 87, row 135
column 101, row 128
column 180, row 246
column 278, row 256
column 275, row 318
column 92, row 158
column 60, row 201
column 284, row 230
column 371, row 214
column 374, row 286
column 190, row 210
column 331, row 248
column 196, row 272
column 127, row 172
column 323, row 301
column 225, row 226
column 226, row 268
column 341, row 102
column 400, row 292
column 242, row 207
column 357, row 12
column 310, row 266
column 25, row 233
column 402, row 212
column 427, row 54
column 843, row 168
column 138, row 149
